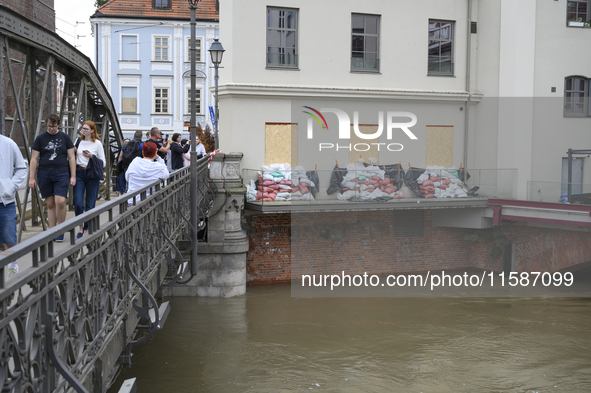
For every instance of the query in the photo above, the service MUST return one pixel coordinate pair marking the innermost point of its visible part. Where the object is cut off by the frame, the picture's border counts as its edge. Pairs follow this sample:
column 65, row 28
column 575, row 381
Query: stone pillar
column 222, row 259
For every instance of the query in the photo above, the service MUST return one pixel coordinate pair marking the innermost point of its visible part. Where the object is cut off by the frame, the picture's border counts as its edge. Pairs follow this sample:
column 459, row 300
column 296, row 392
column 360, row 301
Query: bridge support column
column 222, row 258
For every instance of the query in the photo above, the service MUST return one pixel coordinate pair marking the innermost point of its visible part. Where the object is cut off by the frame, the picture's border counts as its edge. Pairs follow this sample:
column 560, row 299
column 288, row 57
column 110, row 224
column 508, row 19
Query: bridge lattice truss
column 39, row 73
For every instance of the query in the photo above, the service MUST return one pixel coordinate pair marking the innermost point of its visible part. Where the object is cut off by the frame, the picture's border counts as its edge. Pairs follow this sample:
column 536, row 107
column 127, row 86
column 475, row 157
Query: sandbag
column 410, row 179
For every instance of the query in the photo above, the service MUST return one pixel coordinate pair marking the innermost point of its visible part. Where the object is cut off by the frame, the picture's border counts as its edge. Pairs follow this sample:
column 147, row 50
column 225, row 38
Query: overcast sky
column 67, row 13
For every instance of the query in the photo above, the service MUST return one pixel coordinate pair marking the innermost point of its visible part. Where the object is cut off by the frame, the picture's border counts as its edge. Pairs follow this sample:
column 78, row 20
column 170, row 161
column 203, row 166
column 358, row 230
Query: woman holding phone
column 88, row 147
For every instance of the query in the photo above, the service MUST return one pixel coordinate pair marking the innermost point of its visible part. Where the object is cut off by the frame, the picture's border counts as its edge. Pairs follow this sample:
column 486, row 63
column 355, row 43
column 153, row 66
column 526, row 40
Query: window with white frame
column 440, row 57
column 161, row 48
column 578, row 13
column 129, row 47
column 282, row 37
column 198, row 41
column 161, row 97
column 576, row 96
column 365, row 42
column 198, row 107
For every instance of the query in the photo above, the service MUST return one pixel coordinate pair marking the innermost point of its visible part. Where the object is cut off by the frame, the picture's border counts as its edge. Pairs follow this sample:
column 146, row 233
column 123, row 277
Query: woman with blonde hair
column 88, row 147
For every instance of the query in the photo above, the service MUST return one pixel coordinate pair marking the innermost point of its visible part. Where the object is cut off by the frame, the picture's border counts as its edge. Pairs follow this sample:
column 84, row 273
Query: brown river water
column 269, row 341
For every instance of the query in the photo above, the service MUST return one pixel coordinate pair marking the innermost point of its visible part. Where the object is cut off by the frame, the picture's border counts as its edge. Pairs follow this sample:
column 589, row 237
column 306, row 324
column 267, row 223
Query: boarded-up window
column 129, row 99
column 439, row 146
column 278, row 143
column 363, row 148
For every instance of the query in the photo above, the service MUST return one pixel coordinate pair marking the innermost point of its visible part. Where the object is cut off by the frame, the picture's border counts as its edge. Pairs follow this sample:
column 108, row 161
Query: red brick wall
column 358, row 242
column 544, row 249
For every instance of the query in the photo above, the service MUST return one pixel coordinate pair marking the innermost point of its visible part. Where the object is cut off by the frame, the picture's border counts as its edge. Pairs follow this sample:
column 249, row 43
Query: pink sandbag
column 268, row 200
column 286, row 183
column 268, row 183
column 390, row 189
column 428, row 188
column 398, row 196
column 444, row 187
column 373, row 182
column 374, row 177
column 426, row 183
column 370, row 190
column 446, row 181
column 429, row 196
column 363, row 182
column 434, row 178
column 259, row 195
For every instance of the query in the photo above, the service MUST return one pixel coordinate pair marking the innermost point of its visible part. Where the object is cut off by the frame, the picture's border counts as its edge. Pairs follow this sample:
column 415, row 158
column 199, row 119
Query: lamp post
column 193, row 130
column 216, row 50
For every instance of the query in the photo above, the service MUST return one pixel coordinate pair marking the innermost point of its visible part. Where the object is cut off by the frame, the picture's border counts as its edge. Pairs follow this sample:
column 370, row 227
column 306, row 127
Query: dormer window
column 162, row 4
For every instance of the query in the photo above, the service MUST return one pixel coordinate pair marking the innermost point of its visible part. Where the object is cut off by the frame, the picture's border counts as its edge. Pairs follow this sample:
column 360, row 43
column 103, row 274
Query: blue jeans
column 91, row 186
column 8, row 224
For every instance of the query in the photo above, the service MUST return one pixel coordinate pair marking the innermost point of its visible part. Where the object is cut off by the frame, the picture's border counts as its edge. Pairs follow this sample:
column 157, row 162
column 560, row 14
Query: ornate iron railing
column 60, row 315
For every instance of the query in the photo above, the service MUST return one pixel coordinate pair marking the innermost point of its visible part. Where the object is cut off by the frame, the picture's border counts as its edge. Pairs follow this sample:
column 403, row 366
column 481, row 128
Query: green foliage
column 495, row 236
column 98, row 3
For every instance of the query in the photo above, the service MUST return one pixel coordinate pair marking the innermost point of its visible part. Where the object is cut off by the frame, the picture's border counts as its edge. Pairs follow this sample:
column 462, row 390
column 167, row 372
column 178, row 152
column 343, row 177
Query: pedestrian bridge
column 70, row 318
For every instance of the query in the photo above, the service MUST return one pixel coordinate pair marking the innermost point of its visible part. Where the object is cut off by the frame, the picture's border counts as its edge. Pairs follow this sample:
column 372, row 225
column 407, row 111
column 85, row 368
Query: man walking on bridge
column 13, row 172
column 53, row 152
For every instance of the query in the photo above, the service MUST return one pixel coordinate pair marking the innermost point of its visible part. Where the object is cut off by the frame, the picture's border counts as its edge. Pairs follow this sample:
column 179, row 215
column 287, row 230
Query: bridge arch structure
column 41, row 73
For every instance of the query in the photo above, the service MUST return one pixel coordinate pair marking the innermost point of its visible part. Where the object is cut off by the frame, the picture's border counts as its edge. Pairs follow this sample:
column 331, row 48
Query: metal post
column 570, row 173
column 217, row 116
column 194, row 210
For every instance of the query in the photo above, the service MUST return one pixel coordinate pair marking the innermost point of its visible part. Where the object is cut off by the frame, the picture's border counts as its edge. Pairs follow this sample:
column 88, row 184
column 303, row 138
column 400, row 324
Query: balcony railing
column 546, row 191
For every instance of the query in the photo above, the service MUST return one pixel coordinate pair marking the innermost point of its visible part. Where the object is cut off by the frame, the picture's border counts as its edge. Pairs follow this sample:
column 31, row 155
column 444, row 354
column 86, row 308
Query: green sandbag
column 276, row 174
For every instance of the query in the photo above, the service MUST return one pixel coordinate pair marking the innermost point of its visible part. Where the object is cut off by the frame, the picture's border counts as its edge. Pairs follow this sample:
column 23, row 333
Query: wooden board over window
column 354, row 155
column 281, row 143
column 439, row 146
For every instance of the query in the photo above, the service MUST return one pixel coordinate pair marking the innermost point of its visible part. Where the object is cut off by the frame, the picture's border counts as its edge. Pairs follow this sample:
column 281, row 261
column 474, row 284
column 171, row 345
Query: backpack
column 130, row 151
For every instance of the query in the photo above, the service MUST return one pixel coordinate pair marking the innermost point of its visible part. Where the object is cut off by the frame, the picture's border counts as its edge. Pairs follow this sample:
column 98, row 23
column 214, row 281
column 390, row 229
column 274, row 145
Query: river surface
column 267, row 341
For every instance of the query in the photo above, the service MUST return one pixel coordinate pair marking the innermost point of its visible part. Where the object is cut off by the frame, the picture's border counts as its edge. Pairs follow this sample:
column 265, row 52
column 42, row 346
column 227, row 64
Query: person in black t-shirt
column 53, row 154
column 163, row 147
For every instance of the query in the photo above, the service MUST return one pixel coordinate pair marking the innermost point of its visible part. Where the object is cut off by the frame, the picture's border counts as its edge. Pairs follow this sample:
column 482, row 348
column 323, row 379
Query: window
column 160, row 48
column 198, row 101
column 576, row 96
column 160, row 100
column 129, row 99
column 364, row 47
column 577, row 13
column 129, row 47
column 198, row 41
column 162, row 4
column 440, row 58
column 282, row 40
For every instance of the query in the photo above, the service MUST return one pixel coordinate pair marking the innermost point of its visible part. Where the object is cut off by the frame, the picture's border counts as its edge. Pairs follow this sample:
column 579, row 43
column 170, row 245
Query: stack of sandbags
column 278, row 182
column 367, row 183
column 437, row 182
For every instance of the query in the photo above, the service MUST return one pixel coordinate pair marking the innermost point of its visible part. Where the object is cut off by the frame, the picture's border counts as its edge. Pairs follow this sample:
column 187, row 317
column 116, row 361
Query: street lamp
column 216, row 50
column 193, row 131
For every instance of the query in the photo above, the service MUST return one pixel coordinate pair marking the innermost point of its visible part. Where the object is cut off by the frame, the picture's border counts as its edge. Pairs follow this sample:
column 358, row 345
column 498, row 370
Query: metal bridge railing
column 58, row 316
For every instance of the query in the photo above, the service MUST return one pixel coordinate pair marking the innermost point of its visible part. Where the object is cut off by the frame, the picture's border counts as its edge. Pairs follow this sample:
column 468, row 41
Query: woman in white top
column 144, row 171
column 89, row 147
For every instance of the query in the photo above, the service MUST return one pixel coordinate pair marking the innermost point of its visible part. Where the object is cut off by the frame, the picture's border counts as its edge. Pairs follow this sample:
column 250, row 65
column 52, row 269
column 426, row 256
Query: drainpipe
column 467, row 108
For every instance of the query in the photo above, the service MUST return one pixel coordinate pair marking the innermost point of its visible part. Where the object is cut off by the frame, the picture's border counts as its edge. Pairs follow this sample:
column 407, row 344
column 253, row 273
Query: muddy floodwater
column 268, row 341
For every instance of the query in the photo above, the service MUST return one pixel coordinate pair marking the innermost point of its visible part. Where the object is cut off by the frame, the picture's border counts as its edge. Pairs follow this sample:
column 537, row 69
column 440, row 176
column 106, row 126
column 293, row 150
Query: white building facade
column 143, row 57
column 493, row 83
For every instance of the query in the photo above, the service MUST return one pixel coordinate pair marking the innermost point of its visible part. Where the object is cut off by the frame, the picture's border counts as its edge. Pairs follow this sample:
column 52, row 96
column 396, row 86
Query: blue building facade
column 144, row 60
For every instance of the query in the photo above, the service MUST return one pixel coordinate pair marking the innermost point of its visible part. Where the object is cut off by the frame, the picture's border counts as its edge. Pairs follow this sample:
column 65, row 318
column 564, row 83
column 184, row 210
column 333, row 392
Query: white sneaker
column 12, row 269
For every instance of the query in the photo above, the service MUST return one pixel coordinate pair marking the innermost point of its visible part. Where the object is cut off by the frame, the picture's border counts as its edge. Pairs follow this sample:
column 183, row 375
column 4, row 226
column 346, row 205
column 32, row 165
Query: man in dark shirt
column 163, row 147
column 53, row 153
